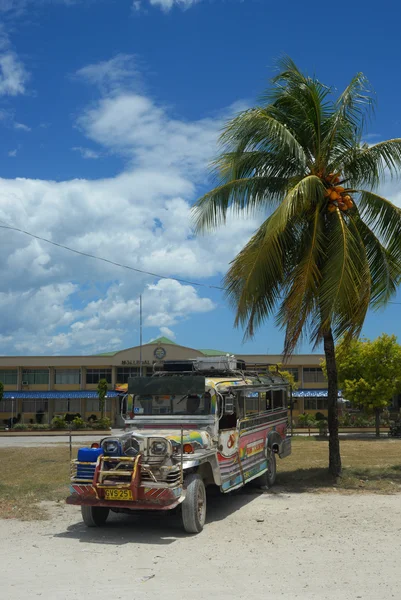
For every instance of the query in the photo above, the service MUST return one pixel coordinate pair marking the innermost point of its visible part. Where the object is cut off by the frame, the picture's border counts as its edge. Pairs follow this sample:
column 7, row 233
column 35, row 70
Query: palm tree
column 330, row 245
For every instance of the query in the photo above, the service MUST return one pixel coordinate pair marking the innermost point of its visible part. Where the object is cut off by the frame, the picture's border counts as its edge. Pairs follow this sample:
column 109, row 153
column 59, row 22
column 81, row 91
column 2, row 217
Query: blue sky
column 109, row 113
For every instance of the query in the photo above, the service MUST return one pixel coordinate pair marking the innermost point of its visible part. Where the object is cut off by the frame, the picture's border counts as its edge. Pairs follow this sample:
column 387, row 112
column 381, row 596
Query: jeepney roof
column 272, row 380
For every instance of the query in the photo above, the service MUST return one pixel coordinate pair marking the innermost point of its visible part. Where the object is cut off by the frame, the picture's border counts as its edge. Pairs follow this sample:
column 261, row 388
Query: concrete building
column 40, row 387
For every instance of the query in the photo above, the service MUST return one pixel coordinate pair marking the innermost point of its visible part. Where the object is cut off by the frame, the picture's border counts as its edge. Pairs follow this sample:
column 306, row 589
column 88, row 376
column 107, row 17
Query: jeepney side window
column 252, row 403
column 267, row 403
column 241, row 405
column 278, row 399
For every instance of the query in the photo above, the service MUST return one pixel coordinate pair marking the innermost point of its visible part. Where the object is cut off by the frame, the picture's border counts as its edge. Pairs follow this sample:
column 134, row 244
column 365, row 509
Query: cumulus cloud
column 21, row 127
column 118, row 72
column 140, row 218
column 86, row 152
column 166, row 331
column 13, row 76
column 166, row 5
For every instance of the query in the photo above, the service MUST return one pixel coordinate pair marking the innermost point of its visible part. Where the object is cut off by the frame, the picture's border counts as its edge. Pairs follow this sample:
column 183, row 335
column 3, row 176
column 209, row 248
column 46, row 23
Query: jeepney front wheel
column 267, row 480
column 94, row 516
column 194, row 505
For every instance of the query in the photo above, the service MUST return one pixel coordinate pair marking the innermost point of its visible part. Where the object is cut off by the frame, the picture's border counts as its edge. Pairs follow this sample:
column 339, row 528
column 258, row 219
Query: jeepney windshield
column 172, row 404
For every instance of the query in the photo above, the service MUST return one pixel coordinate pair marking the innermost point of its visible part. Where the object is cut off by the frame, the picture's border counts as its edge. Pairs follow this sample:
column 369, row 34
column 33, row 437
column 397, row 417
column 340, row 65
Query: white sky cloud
column 22, row 127
column 86, row 152
column 13, row 76
column 12, row 153
column 167, row 5
column 166, row 331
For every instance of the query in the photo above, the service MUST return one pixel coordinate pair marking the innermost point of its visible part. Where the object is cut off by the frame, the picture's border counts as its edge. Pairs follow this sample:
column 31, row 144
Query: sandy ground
column 305, row 546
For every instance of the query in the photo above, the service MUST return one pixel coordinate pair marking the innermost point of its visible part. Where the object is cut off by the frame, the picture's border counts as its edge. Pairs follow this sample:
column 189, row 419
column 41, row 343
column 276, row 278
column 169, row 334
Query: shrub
column 320, row 417
column 306, row 420
column 20, row 427
column 322, row 425
column 78, row 423
column 59, row 423
column 102, row 424
column 40, row 426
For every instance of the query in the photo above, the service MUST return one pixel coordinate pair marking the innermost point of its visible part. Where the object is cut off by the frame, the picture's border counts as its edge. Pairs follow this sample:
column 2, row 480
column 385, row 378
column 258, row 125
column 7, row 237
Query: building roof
column 167, row 341
column 159, row 340
column 210, row 352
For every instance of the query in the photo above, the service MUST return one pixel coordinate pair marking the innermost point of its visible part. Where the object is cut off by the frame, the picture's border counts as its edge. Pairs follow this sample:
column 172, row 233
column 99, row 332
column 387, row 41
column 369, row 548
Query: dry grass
column 368, row 465
column 29, row 476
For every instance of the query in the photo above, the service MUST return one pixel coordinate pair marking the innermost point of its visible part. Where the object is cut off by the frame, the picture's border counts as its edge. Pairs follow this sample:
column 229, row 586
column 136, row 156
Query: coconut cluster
column 337, row 195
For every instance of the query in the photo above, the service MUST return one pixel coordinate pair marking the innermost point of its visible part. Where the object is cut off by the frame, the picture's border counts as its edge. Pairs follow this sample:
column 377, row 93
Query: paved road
column 48, row 440
column 254, row 547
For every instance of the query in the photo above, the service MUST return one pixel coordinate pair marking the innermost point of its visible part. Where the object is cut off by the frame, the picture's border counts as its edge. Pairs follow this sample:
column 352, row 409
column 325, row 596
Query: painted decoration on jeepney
column 252, row 448
column 199, row 439
column 228, row 442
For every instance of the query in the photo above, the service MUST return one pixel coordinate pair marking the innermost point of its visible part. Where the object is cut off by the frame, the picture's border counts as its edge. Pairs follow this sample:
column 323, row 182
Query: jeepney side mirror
column 229, row 404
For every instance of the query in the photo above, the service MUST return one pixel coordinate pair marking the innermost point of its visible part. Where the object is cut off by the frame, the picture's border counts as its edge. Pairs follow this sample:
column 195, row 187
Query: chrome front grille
column 170, row 477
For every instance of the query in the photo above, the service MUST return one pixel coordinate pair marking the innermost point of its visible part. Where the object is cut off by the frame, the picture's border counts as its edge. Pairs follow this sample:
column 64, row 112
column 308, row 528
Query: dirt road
column 304, row 546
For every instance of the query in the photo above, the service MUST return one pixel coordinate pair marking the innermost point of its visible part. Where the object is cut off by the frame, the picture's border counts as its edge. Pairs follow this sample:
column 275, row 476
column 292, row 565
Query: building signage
column 135, row 362
column 159, row 353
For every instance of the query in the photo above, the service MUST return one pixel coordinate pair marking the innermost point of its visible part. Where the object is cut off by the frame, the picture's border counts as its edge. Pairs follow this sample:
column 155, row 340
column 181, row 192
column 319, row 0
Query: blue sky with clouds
column 109, row 113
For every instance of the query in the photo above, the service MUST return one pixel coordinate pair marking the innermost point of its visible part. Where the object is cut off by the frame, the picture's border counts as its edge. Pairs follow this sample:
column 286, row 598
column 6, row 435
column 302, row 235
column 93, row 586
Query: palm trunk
column 377, row 421
column 334, row 442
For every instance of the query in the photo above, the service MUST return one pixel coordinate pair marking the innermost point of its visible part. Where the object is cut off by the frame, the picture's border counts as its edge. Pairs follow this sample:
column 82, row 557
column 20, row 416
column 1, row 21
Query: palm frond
column 248, row 194
column 344, row 292
column 368, row 165
column 384, row 265
column 256, row 129
column 382, row 216
column 300, row 299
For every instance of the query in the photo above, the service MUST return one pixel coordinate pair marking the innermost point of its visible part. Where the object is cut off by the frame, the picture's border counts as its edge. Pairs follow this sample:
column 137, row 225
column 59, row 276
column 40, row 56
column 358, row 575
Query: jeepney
column 192, row 424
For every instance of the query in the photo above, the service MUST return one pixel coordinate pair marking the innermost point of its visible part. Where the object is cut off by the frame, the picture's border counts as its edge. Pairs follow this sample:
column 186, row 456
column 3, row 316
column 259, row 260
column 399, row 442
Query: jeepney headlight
column 158, row 447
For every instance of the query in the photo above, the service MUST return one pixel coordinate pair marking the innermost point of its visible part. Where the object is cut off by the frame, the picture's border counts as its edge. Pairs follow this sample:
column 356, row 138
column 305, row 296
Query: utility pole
column 140, row 335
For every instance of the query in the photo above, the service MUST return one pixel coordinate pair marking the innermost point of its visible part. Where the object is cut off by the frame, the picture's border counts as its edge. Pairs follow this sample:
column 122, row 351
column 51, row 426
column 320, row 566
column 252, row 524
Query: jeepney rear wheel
column 194, row 506
column 94, row 516
column 268, row 478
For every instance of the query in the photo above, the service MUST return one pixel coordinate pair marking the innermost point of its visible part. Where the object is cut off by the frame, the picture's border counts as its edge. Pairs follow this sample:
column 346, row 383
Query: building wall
column 130, row 358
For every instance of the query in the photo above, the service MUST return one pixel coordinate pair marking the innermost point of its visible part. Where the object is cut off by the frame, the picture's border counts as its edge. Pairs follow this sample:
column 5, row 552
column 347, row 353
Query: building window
column 95, row 375
column 315, row 403
column 92, row 405
column 314, row 375
column 293, row 371
column 35, row 406
column 8, row 406
column 70, row 405
column 124, row 372
column 9, row 377
column 67, row 376
column 35, row 376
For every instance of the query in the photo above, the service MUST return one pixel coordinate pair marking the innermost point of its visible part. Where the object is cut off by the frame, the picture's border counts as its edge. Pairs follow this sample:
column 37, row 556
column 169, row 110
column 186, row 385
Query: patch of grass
column 368, row 465
column 29, row 476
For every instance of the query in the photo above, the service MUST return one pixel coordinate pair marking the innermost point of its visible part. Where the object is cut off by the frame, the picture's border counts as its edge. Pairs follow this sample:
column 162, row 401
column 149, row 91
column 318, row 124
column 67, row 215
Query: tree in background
column 330, row 245
column 102, row 389
column 369, row 372
column 286, row 374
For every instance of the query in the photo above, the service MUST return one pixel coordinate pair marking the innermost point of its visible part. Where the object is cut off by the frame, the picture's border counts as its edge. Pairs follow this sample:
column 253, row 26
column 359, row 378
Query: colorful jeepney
column 192, row 424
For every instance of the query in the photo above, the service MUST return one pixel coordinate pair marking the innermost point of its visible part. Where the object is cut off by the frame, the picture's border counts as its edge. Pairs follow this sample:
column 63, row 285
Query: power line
column 111, row 262
column 123, row 266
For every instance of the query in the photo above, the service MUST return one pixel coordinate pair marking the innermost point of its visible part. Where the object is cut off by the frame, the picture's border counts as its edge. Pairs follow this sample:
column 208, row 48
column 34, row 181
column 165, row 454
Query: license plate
column 117, row 494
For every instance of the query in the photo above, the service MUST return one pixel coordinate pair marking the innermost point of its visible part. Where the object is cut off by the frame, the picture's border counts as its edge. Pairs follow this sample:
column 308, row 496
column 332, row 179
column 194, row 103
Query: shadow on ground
column 381, row 480
column 152, row 527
